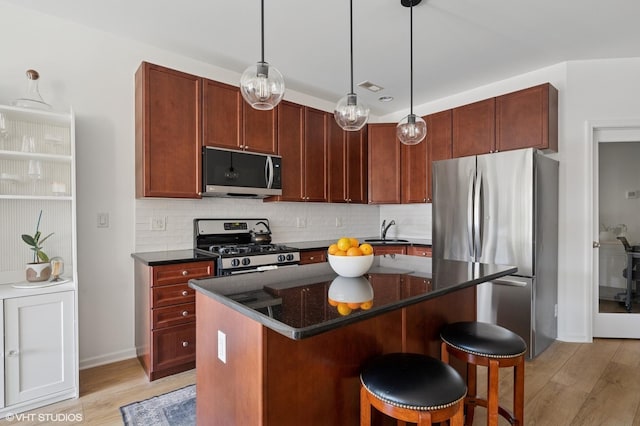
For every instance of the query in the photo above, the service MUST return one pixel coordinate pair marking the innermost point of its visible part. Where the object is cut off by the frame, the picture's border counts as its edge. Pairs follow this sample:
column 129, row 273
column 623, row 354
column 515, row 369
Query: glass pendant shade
column 411, row 130
column 349, row 114
column 262, row 86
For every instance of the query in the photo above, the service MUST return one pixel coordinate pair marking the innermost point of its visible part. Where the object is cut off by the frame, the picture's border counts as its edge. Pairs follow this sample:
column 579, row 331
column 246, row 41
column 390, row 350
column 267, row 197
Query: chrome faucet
column 384, row 229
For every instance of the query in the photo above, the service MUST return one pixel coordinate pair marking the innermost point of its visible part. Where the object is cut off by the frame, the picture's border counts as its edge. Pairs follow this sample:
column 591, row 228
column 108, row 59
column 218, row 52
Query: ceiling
column 458, row 44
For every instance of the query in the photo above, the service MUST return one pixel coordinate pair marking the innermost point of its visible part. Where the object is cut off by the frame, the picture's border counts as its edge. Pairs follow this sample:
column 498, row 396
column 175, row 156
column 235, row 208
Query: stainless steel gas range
column 241, row 245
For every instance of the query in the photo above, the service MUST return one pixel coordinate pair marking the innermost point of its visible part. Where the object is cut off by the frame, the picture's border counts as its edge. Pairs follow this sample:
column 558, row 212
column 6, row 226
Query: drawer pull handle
column 185, row 293
column 185, row 313
column 185, row 273
column 185, row 344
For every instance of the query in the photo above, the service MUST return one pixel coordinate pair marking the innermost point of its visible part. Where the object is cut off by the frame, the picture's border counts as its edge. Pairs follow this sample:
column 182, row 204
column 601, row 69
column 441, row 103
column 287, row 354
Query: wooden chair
column 492, row 346
column 411, row 388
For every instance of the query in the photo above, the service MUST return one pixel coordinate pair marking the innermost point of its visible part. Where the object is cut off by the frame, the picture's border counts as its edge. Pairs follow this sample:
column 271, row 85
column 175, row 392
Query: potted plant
column 40, row 268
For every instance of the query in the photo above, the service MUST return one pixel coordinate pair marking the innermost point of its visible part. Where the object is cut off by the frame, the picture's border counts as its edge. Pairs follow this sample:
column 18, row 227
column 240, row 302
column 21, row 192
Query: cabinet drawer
column 174, row 346
column 180, row 272
column 315, row 256
column 380, row 250
column 419, row 251
column 174, row 315
column 172, row 295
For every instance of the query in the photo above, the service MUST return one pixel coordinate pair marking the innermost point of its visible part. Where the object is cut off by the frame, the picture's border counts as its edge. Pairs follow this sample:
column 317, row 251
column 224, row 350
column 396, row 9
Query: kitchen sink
column 385, row 241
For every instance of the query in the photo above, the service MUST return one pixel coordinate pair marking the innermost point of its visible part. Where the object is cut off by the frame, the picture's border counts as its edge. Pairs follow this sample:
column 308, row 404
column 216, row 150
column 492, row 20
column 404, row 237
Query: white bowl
column 350, row 290
column 350, row 266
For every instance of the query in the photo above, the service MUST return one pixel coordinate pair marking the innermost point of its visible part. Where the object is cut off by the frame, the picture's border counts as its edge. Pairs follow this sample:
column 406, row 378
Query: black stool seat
column 413, row 381
column 483, row 339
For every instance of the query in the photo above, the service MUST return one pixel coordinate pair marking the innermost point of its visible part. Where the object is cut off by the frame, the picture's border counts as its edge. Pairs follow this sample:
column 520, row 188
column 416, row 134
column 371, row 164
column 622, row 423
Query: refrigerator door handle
column 511, row 282
column 470, row 210
column 477, row 217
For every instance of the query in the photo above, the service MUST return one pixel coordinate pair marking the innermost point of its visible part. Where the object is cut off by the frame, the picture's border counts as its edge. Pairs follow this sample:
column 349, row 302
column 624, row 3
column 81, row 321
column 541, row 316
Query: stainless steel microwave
column 231, row 173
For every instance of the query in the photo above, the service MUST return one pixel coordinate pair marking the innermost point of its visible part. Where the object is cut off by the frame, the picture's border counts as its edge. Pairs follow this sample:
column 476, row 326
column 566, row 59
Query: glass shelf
column 19, row 155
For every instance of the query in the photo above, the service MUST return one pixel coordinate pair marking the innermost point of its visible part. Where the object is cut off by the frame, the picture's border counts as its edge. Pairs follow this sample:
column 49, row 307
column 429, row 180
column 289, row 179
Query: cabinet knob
column 185, row 344
column 185, row 293
column 185, row 273
column 13, row 353
column 312, row 257
column 185, row 313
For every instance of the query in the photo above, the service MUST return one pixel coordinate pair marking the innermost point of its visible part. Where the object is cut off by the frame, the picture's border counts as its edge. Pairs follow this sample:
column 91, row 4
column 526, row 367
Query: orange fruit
column 340, row 253
column 354, row 251
column 354, row 242
column 344, row 243
column 366, row 305
column 366, row 249
column 333, row 248
column 343, row 309
column 353, row 305
column 333, row 302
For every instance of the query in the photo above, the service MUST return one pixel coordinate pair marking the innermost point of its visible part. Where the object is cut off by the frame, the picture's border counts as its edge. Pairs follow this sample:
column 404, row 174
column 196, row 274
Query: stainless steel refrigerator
column 502, row 208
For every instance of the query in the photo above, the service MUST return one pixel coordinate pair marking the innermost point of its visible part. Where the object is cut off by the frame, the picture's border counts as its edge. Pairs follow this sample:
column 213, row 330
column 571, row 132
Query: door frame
column 619, row 325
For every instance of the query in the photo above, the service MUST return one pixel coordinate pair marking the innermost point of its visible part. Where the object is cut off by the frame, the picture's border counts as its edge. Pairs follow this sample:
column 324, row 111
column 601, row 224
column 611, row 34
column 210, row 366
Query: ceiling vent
column 370, row 86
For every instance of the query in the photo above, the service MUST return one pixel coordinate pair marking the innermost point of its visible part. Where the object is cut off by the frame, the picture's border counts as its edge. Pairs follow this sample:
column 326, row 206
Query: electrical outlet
column 338, row 222
column 222, row 346
column 103, row 220
column 158, row 223
column 301, row 222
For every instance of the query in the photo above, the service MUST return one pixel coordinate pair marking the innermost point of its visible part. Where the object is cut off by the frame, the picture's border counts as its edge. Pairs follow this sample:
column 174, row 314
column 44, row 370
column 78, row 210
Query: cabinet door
column 222, row 106
column 313, row 256
column 315, row 155
column 337, row 175
column 168, row 134
column 384, row 164
column 438, row 143
column 2, row 361
column 260, row 130
column 389, row 249
column 39, row 346
column 356, row 161
column 528, row 119
column 290, row 139
column 414, row 172
column 474, row 128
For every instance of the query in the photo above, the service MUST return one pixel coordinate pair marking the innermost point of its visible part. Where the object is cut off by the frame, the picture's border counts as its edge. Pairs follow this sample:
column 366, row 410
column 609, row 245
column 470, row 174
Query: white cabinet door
column 39, row 341
column 2, row 351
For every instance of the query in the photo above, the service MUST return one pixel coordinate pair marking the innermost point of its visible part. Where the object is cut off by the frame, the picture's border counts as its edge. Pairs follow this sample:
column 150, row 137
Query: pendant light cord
column 411, row 54
column 351, row 38
column 262, row 27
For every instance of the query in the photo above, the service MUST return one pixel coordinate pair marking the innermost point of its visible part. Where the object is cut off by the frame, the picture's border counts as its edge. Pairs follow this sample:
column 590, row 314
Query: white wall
column 94, row 72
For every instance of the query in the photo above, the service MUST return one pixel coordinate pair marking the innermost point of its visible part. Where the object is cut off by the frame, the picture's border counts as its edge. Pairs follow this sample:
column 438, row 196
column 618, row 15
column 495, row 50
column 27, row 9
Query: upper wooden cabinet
column 302, row 144
column 347, row 174
column 168, row 133
column 528, row 119
column 414, row 172
column 474, row 128
column 229, row 122
column 384, row 164
column 438, row 143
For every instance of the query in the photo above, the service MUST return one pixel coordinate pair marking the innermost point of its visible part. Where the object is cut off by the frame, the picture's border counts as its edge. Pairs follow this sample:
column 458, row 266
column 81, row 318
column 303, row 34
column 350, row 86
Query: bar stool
column 411, row 388
column 492, row 346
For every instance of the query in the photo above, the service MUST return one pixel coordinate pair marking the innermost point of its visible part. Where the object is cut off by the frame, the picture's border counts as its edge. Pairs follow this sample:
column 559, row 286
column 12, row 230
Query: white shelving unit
column 39, row 323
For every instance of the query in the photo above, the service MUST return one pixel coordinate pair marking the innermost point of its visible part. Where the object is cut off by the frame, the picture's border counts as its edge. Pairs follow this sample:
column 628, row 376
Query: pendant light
column 411, row 129
column 349, row 113
column 262, row 86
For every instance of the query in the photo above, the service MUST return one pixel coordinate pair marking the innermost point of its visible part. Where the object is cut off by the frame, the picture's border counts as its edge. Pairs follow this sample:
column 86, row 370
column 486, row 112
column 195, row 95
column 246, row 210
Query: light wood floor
column 569, row 384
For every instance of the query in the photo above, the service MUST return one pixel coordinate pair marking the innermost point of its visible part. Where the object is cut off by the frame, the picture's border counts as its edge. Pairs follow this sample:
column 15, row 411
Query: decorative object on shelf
column 262, row 86
column 57, row 268
column 40, row 268
column 350, row 114
column 32, row 97
column 411, row 129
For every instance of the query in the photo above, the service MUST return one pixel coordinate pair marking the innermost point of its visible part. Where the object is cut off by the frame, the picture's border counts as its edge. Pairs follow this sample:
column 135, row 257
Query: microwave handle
column 268, row 172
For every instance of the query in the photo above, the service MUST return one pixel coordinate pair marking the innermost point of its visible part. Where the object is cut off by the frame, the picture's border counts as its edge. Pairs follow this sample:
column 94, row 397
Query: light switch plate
column 222, row 346
column 103, row 220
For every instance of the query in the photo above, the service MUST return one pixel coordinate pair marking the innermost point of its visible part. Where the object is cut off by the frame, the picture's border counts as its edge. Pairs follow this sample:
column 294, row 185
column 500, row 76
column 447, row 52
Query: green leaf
column 43, row 256
column 42, row 240
column 29, row 240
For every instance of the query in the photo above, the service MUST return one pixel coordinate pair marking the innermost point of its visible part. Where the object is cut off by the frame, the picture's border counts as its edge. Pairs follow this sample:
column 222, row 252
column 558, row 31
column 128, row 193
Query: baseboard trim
column 107, row 358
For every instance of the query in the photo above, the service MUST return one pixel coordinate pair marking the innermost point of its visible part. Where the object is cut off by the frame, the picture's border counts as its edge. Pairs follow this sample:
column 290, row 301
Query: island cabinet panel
column 384, row 164
column 439, row 141
column 528, row 119
column 168, row 133
column 474, row 128
column 271, row 380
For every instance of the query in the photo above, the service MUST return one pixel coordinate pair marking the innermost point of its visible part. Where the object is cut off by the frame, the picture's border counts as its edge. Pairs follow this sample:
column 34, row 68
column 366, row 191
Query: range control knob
column 235, row 262
column 290, row 256
column 246, row 261
column 281, row 258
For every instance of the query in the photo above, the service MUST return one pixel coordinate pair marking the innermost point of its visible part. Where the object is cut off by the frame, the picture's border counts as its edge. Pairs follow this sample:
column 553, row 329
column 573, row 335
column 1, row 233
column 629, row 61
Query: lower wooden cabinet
column 419, row 251
column 313, row 256
column 166, row 316
column 389, row 249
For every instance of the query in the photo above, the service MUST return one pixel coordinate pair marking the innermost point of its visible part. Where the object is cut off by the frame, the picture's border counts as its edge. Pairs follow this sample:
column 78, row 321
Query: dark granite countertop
column 295, row 301
column 155, row 258
column 323, row 244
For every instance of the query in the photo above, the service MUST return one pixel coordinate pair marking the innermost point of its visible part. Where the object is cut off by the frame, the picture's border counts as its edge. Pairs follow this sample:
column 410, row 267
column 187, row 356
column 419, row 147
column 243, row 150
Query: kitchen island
column 274, row 350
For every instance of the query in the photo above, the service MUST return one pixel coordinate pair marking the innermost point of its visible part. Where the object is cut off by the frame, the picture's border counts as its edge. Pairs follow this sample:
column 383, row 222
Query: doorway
column 616, row 213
